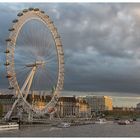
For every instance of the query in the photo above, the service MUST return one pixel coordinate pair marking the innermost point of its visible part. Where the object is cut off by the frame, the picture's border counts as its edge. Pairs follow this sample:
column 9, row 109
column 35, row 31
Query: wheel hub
column 36, row 64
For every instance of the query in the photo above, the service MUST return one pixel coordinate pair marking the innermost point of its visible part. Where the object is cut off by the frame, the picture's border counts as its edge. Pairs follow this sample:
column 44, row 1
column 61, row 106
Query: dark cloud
column 101, row 43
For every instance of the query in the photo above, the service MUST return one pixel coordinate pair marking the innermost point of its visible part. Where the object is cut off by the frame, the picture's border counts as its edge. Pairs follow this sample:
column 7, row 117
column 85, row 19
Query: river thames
column 93, row 130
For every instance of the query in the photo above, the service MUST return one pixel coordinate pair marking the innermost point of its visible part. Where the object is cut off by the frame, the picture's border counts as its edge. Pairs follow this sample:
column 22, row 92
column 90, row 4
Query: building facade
column 67, row 107
column 6, row 102
column 73, row 107
column 99, row 103
column 108, row 103
column 138, row 106
column 84, row 109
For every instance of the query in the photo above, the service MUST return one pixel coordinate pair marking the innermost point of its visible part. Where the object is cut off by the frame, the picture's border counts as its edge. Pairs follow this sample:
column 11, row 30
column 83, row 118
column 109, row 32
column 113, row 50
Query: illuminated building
column 99, row 103
column 38, row 99
column 67, row 106
column 84, row 110
column 108, row 103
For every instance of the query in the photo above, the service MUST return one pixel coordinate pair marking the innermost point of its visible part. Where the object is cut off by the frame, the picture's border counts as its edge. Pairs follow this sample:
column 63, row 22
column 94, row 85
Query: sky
column 101, row 43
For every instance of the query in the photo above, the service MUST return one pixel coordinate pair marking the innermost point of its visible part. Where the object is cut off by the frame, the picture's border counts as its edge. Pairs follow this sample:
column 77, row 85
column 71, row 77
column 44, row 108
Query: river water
column 93, row 130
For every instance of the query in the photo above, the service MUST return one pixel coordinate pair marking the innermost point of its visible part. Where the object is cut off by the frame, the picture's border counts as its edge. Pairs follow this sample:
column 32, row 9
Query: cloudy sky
column 101, row 43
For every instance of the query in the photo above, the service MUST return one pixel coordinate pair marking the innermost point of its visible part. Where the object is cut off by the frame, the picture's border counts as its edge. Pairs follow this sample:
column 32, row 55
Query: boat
column 125, row 122
column 101, row 121
column 9, row 126
column 64, row 125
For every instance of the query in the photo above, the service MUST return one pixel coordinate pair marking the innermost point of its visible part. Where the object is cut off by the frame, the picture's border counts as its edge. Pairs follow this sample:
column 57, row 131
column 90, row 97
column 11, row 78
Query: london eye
column 34, row 60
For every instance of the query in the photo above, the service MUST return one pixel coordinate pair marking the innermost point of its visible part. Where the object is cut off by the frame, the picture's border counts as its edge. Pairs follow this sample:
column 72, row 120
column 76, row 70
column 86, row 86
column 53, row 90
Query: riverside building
column 84, row 109
column 82, row 106
column 99, row 103
column 73, row 107
column 67, row 106
column 6, row 102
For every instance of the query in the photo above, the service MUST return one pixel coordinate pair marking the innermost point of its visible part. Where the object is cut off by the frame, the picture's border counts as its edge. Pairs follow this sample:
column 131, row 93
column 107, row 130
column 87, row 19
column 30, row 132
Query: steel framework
column 23, row 17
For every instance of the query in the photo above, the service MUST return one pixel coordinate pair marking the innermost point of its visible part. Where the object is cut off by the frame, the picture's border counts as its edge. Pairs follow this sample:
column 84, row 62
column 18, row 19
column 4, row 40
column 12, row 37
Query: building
column 124, row 109
column 108, row 103
column 6, row 102
column 67, row 107
column 73, row 107
column 84, row 109
column 38, row 100
column 99, row 103
column 138, row 107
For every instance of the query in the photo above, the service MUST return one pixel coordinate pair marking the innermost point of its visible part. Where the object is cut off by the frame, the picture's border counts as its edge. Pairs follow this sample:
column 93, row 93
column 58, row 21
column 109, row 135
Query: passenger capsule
column 7, row 51
column 11, row 29
column 42, row 12
column 25, row 10
column 8, row 40
column 61, row 53
column 57, row 37
column 11, row 88
column 15, row 20
column 7, row 63
column 36, row 9
column 59, row 45
column 51, row 22
column 9, row 76
column 47, row 16
column 20, row 14
column 31, row 9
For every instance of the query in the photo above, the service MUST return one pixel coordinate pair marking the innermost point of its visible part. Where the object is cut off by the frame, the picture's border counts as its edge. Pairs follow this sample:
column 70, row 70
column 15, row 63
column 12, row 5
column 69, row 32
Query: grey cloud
column 101, row 43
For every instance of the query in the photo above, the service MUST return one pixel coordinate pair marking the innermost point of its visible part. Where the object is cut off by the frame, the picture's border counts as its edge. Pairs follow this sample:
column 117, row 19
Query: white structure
column 50, row 52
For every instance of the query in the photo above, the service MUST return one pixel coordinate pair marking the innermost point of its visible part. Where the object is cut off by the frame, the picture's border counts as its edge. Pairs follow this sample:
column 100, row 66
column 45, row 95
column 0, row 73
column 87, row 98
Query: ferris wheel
column 34, row 60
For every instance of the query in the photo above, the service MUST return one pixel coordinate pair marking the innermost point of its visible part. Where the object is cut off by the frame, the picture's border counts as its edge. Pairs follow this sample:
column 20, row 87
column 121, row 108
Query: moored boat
column 125, row 122
column 9, row 126
column 64, row 125
column 101, row 121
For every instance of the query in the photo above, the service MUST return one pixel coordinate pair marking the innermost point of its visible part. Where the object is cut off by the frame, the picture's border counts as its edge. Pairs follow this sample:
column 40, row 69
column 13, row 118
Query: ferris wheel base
column 29, row 116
